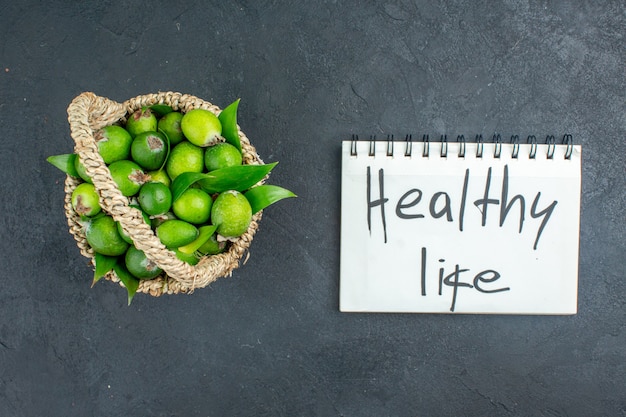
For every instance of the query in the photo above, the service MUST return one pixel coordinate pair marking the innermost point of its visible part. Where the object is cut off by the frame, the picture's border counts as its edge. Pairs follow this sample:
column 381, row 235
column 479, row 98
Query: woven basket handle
column 87, row 114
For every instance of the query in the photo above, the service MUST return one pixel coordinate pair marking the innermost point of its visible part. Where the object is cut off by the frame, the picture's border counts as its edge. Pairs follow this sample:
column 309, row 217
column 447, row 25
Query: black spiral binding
column 389, row 145
column 569, row 141
column 444, row 146
column 443, row 152
column 497, row 150
column 551, row 146
column 408, row 148
column 372, row 151
column 355, row 139
column 479, row 147
column 515, row 142
column 532, row 140
column 461, row 140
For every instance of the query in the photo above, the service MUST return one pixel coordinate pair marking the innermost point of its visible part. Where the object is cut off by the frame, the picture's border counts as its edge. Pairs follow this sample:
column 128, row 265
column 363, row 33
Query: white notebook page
column 460, row 234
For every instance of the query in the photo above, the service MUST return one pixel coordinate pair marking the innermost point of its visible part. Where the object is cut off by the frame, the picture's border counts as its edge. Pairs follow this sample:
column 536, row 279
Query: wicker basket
column 87, row 114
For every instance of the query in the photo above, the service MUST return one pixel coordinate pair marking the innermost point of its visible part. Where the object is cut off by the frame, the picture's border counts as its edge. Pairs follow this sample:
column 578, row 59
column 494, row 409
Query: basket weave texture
column 86, row 115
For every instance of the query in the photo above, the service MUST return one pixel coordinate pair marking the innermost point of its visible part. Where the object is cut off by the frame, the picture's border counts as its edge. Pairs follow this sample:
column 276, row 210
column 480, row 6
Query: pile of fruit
column 185, row 172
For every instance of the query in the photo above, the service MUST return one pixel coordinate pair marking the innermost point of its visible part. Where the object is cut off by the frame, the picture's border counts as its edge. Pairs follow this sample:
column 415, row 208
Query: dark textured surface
column 270, row 341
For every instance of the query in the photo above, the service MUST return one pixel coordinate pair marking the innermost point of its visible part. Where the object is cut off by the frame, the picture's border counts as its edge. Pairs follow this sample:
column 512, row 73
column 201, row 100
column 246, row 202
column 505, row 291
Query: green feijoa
column 170, row 125
column 142, row 120
column 176, row 233
column 113, row 143
column 184, row 157
column 128, row 176
column 155, row 198
column 232, row 214
column 149, row 150
column 102, row 235
column 193, row 206
column 160, row 176
column 85, row 200
column 221, row 155
column 201, row 127
column 139, row 265
column 80, row 169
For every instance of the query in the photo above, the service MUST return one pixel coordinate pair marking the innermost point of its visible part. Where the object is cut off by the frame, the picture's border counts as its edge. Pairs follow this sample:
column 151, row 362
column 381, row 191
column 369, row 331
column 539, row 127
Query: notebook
column 460, row 226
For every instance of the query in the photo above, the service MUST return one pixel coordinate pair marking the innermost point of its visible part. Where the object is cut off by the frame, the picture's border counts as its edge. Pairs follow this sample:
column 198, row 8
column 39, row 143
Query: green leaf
column 228, row 119
column 203, row 237
column 167, row 143
column 238, row 178
column 184, row 181
column 65, row 163
column 103, row 265
column 265, row 195
column 161, row 109
column 130, row 282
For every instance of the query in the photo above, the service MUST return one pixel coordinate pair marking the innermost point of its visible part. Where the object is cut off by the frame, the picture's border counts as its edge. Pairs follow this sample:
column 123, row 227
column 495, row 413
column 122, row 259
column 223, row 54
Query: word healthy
column 440, row 205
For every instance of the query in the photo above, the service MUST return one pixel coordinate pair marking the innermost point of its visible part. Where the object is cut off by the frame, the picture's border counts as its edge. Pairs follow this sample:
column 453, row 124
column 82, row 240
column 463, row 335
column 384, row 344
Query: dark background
column 270, row 341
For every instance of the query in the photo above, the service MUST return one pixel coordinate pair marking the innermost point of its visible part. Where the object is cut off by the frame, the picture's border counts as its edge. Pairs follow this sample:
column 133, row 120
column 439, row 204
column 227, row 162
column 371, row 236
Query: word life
column 484, row 281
